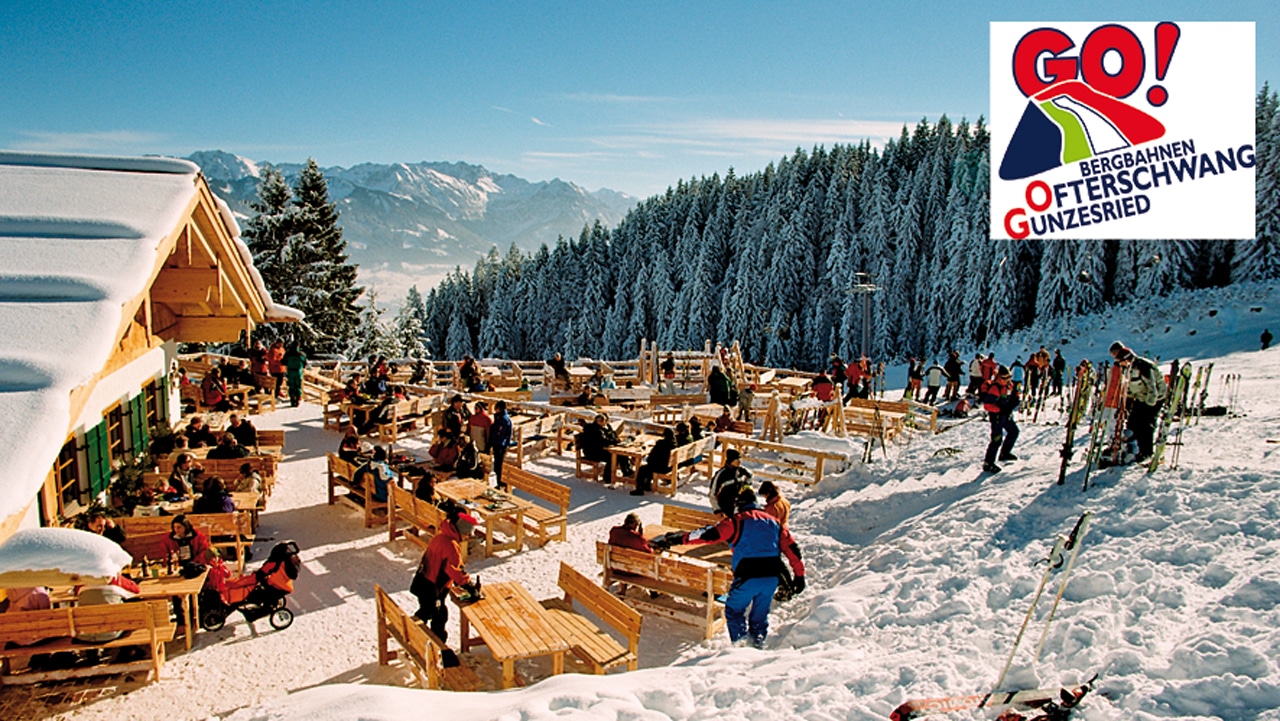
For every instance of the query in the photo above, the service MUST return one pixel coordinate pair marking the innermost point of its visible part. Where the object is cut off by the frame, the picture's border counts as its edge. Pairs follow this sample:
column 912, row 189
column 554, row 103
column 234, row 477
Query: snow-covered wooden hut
column 106, row 264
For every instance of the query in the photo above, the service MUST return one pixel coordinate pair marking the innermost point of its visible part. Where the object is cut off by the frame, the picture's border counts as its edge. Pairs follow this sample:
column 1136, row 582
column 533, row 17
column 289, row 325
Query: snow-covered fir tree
column 768, row 259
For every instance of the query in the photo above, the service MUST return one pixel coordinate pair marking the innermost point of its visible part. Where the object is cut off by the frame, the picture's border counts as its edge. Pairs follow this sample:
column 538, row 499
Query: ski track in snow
column 920, row 568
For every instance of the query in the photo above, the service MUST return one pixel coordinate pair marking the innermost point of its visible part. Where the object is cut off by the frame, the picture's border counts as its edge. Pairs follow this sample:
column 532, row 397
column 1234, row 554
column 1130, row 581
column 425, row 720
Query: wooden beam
column 23, row 579
column 183, row 286
column 208, row 330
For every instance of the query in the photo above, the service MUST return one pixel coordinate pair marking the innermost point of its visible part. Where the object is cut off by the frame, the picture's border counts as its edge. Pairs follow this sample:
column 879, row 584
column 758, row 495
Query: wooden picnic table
column 513, row 625
column 717, row 553
column 578, row 377
column 490, row 506
column 186, row 590
column 636, row 449
column 244, row 500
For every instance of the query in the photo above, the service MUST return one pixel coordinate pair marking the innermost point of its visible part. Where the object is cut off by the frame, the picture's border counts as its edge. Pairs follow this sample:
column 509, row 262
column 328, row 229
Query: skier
column 1147, row 391
column 1266, row 338
column 933, row 379
column 975, row 375
column 954, row 368
column 1057, row 371
column 294, row 362
column 915, row 375
column 758, row 542
column 1000, row 400
column 1019, row 373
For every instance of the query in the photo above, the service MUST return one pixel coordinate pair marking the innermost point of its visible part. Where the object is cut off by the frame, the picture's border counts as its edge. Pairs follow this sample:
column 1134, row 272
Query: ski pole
column 1053, row 560
column 1073, row 544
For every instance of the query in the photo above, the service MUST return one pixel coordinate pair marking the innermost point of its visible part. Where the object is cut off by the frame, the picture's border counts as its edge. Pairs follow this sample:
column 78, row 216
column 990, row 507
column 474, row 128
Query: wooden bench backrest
column 271, row 438
column 690, row 451
column 75, row 620
column 535, row 485
column 766, row 377
column 679, row 399
column 422, row 514
column 342, row 469
column 227, row 467
column 895, row 407
column 408, row 634
column 607, row 607
column 668, row 569
column 210, row 524
column 687, row 519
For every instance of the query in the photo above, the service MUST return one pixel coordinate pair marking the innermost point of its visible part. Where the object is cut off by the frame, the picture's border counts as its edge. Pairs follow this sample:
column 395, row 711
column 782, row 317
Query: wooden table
column 578, row 377
column 490, row 506
column 513, row 625
column 635, row 449
column 717, row 553
column 186, row 590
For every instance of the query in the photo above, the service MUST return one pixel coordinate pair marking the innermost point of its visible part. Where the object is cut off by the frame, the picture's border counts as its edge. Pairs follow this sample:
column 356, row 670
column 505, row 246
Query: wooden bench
column 422, row 648
column 144, row 624
column 408, row 417
column 692, row 585
column 228, row 468
column 144, row 535
column 512, row 394
column 342, row 473
column 272, row 438
column 539, row 519
column 688, row 519
column 535, row 439
column 423, row 517
column 795, row 464
column 677, row 400
column 590, row 643
column 335, row 411
column 681, row 465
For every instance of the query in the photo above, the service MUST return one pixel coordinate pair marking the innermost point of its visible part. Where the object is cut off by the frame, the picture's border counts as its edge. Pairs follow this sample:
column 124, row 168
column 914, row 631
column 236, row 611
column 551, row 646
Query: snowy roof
column 79, row 238
column 65, row 550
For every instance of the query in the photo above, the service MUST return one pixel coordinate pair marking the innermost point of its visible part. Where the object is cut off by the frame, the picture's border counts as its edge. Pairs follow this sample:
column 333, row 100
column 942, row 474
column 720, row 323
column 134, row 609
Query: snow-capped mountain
column 409, row 223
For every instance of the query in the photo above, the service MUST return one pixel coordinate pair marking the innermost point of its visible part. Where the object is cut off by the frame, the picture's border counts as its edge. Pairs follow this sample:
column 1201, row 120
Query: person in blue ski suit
column 758, row 544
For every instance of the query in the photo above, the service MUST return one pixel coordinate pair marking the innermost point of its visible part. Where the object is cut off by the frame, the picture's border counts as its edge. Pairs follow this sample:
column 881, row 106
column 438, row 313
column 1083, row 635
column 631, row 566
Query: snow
column 63, row 549
column 920, row 571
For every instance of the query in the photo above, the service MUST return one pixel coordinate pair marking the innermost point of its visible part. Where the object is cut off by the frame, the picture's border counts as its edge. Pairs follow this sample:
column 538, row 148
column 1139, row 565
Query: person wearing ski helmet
column 1000, row 399
column 1146, row 393
column 758, row 542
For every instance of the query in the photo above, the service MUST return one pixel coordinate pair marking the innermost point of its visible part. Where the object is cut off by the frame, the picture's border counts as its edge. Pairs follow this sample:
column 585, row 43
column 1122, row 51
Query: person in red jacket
column 989, row 367
column 1000, row 400
column 186, row 544
column 441, row 568
column 629, row 535
column 759, row 543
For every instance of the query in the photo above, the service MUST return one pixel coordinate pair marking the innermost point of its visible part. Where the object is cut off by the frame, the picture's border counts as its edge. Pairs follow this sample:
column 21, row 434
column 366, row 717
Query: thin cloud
column 102, row 141
column 501, row 109
column 615, row 98
column 804, row 131
column 539, row 122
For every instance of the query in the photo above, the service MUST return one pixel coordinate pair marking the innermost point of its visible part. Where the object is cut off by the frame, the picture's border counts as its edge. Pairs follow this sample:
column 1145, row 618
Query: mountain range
column 411, row 223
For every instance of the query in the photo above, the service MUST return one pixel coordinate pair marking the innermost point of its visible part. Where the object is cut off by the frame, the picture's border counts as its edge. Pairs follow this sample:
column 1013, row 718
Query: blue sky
column 631, row 96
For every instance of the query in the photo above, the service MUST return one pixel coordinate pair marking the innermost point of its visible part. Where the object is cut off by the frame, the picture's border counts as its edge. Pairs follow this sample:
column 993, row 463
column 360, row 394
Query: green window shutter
column 139, row 433
column 98, row 454
column 162, row 399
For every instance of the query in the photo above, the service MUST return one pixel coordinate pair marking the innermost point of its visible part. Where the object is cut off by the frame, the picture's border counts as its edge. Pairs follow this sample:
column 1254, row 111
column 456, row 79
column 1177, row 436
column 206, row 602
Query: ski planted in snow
column 1204, row 392
column 1079, row 403
column 1046, row 700
column 1168, row 415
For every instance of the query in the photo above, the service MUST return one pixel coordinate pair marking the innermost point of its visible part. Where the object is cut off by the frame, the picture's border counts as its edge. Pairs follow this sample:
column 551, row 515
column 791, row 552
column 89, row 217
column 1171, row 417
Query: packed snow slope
column 920, row 572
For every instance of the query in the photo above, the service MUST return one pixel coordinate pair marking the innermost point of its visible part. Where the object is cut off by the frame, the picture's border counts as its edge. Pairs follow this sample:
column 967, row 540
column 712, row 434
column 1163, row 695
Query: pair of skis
column 1079, row 404
column 1168, row 415
column 1059, row 701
